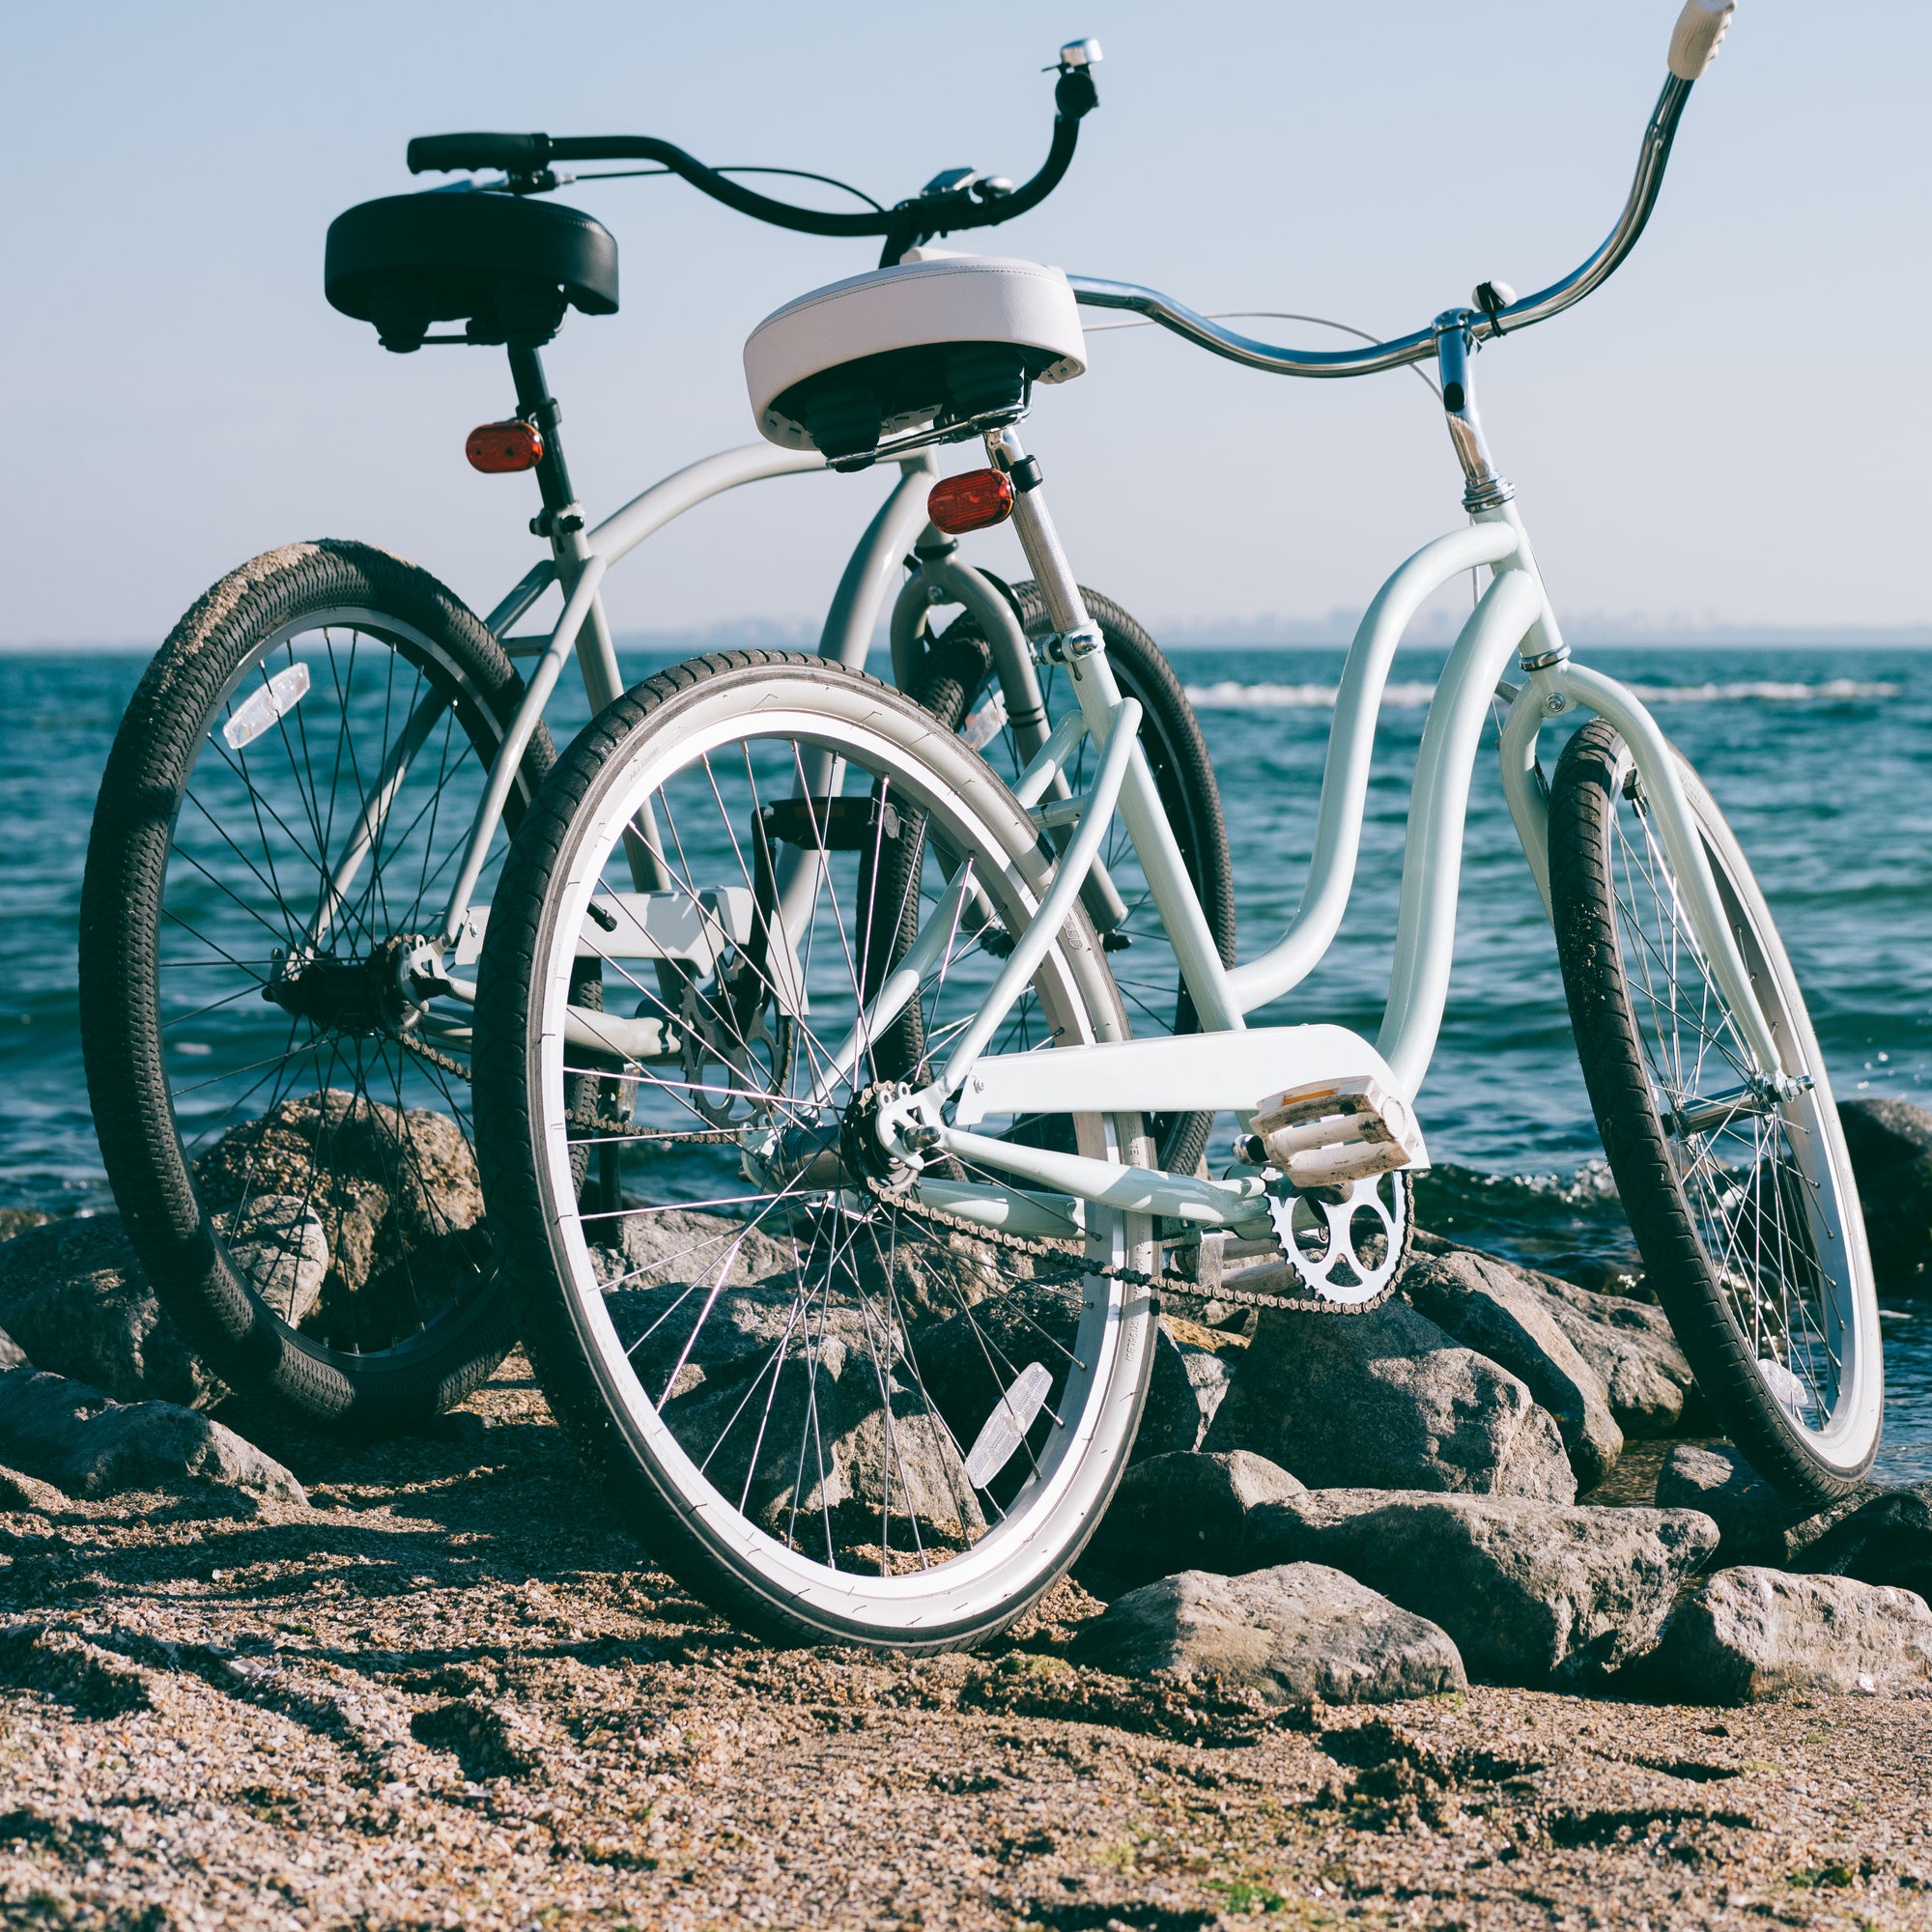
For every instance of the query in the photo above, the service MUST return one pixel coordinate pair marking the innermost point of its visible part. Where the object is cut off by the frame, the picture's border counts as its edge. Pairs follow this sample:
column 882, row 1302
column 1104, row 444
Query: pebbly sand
column 447, row 1694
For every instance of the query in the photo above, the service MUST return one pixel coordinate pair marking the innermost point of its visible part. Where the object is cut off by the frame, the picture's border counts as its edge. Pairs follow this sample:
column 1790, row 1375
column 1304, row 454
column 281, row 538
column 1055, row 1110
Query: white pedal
column 1330, row 1132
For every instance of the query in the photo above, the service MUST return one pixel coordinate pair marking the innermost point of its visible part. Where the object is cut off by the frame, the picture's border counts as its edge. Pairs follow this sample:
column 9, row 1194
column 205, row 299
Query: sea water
column 1818, row 758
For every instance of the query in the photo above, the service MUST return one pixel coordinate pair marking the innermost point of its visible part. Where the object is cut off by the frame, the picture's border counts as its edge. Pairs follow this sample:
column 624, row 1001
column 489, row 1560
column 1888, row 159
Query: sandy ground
column 447, row 1695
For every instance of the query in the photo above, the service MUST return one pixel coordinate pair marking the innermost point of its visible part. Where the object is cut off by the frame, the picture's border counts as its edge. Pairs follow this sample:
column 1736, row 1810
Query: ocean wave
column 1230, row 695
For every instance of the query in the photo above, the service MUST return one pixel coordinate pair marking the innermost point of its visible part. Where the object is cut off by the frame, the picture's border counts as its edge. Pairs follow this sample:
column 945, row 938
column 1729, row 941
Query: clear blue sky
column 1735, row 429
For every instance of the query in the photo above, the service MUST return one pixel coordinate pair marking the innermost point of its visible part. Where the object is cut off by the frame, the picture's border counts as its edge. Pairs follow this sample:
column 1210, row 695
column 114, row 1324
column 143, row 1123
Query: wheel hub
column 361, row 997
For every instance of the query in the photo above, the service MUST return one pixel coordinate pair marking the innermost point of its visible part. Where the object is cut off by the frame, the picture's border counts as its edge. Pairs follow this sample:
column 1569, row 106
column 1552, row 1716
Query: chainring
column 1345, row 1243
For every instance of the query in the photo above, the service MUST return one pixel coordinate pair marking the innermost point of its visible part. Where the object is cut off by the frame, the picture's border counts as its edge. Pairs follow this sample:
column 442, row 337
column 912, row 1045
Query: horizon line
column 1252, row 632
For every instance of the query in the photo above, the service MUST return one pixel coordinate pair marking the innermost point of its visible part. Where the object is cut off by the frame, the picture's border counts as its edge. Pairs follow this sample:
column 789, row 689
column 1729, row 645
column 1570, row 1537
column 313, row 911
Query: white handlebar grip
column 1693, row 42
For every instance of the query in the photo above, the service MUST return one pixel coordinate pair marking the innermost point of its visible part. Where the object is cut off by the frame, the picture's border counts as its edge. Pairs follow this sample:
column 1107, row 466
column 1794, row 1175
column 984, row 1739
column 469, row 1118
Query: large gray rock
column 90, row 1445
column 1629, row 1345
column 1757, row 1523
column 1890, row 1144
column 813, row 1434
column 1884, row 1540
column 394, row 1192
column 11, row 1354
column 74, row 1296
column 1292, row 1633
column 1184, row 1512
column 1185, row 1385
column 1391, row 1400
column 693, row 1334
column 684, row 1245
column 1495, row 1309
column 21, row 1491
column 1532, row 1592
column 1752, row 1633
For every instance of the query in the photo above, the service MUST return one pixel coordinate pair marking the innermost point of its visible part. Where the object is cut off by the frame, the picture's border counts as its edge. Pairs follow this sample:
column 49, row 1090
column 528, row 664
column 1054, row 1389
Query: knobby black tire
column 956, row 672
column 1597, row 984
column 508, row 1107
column 253, row 1351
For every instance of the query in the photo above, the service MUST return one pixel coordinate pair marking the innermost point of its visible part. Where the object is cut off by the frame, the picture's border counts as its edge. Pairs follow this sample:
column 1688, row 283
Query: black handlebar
column 527, row 159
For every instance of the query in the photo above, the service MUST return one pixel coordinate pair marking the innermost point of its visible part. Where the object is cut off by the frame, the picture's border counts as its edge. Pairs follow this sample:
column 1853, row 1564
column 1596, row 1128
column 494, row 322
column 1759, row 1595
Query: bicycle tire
column 371, row 636
column 601, row 1334
column 954, row 678
column 1763, row 1267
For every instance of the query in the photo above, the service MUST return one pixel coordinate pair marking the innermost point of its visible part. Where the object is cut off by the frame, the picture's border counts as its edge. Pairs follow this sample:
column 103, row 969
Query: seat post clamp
column 1066, row 647
column 558, row 522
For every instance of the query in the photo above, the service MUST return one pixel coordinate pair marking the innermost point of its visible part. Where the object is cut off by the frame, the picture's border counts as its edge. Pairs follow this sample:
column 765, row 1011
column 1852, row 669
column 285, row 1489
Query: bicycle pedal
column 1330, row 1132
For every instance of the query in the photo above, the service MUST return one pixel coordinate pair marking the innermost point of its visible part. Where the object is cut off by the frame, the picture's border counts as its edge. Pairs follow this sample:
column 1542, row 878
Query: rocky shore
column 1453, row 1613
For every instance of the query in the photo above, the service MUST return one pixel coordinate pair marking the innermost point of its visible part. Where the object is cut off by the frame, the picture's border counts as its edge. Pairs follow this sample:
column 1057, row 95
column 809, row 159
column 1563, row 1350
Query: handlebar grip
column 514, row 154
column 1693, row 41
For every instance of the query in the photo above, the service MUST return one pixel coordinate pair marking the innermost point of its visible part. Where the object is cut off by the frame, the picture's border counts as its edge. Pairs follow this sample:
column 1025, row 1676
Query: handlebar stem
column 1484, row 489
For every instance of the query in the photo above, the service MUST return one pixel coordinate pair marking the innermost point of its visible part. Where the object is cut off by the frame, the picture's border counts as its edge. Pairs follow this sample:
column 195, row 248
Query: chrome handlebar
column 1652, row 158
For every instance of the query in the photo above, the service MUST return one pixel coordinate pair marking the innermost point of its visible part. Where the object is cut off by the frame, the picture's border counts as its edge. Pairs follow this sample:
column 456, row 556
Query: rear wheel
column 828, row 1411
column 1740, row 1193
column 284, row 1120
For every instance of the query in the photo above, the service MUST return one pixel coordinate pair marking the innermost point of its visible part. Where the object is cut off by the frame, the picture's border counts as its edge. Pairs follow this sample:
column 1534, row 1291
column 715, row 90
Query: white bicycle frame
column 1512, row 619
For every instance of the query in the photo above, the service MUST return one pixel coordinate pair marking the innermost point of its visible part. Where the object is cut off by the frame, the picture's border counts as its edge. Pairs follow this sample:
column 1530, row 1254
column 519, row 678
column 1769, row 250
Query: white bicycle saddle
column 964, row 334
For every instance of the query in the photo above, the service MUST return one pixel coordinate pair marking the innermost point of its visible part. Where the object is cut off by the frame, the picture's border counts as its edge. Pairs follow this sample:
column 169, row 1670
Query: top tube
column 1652, row 158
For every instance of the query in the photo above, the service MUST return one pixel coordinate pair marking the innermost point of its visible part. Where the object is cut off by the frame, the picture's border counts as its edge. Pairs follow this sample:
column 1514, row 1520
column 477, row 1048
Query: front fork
column 1551, row 690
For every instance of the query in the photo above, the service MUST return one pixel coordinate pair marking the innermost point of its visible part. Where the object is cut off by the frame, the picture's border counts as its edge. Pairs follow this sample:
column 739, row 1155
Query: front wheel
column 836, row 1413
column 1739, row 1190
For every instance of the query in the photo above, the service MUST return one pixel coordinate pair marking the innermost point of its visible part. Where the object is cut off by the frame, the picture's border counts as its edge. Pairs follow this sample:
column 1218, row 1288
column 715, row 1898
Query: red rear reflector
column 498, row 449
column 973, row 501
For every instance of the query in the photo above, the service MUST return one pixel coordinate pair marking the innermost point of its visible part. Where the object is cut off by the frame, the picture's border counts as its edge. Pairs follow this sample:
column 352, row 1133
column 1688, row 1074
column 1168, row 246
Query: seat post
column 536, row 405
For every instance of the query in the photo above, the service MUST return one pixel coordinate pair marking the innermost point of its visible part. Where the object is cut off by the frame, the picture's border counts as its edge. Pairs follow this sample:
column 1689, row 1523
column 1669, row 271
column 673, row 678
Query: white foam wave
column 1230, row 695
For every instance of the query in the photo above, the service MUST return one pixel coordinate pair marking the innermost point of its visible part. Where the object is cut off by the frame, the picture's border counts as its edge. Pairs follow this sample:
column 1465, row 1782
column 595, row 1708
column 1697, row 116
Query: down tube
column 1431, row 863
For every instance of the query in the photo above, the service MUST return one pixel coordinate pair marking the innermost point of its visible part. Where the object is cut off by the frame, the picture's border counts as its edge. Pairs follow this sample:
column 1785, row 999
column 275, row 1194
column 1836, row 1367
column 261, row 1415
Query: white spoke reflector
column 985, row 724
column 1004, row 1429
column 276, row 700
column 1786, row 1389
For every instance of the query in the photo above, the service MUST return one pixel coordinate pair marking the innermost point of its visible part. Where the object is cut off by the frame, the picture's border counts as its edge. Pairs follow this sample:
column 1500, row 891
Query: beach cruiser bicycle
column 290, row 872
column 877, row 1382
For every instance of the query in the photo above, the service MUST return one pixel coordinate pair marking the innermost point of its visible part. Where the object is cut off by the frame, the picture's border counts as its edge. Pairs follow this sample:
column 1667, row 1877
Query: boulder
column 1646, row 1377
column 1757, row 1523
column 276, row 1243
column 1532, row 1592
column 397, row 1198
column 1388, row 1399
column 19, row 1491
column 90, row 1445
column 1884, row 1540
column 695, row 1335
column 1184, row 1512
column 683, row 1245
column 1749, row 1633
column 75, row 1299
column 1491, row 1307
column 11, row 1354
column 1890, row 1144
column 1294, row 1634
column 815, row 1435
column 1185, row 1385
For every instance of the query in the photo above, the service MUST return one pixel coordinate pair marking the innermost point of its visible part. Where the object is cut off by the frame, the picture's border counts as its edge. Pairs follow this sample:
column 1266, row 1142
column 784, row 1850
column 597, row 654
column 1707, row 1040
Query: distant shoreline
column 1190, row 636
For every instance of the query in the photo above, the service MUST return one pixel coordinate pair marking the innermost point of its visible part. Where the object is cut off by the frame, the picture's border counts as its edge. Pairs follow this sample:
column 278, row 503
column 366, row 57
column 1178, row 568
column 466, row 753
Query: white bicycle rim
column 1096, row 1411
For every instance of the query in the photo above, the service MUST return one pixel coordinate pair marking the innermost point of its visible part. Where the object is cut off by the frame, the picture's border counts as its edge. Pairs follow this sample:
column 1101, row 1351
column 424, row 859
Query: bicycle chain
column 1034, row 1247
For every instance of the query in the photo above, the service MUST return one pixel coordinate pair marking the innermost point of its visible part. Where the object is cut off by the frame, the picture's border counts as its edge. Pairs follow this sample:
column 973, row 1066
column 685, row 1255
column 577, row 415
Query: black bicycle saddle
column 504, row 265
